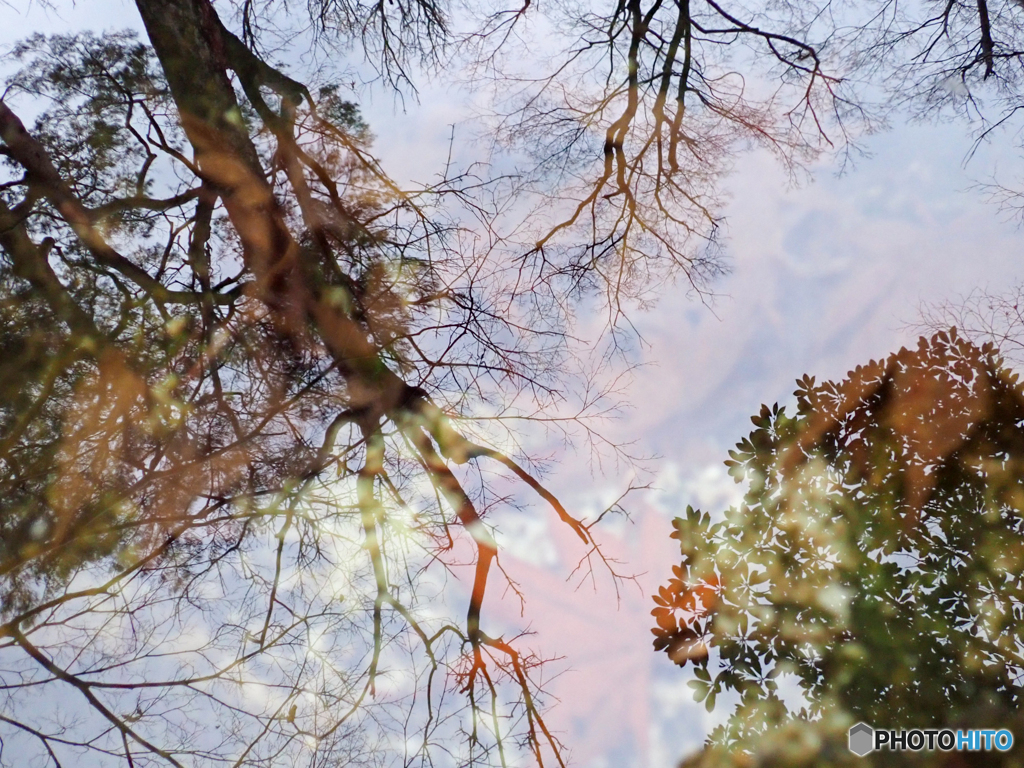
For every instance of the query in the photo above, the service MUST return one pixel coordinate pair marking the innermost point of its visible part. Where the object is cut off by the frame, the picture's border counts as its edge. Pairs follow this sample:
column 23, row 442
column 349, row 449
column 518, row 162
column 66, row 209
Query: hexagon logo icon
column 862, row 738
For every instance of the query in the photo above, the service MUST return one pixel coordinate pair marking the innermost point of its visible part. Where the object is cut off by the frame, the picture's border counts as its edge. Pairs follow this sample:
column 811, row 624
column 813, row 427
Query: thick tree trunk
column 187, row 38
column 184, row 36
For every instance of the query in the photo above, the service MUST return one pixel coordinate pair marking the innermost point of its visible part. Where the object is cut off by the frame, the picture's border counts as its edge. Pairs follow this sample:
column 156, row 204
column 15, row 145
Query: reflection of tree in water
column 875, row 563
column 258, row 403
column 226, row 440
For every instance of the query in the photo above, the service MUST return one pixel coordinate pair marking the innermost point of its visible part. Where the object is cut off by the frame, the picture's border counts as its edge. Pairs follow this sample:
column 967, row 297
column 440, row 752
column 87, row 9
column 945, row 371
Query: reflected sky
column 826, row 272
column 825, row 276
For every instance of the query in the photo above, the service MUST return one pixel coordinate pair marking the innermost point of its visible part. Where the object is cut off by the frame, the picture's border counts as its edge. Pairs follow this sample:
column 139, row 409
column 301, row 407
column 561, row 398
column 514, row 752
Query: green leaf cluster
column 873, row 571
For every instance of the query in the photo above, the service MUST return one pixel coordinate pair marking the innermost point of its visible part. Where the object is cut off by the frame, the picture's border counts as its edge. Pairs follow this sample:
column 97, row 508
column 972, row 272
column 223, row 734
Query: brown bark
column 188, row 39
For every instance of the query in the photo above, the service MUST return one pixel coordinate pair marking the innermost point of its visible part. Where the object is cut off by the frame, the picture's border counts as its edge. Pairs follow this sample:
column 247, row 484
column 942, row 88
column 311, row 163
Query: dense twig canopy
column 258, row 401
